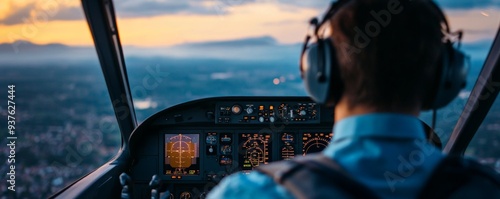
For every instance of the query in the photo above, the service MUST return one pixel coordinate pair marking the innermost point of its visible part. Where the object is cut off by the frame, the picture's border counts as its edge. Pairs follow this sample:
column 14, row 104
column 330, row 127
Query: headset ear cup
column 336, row 83
column 320, row 72
column 453, row 77
column 317, row 90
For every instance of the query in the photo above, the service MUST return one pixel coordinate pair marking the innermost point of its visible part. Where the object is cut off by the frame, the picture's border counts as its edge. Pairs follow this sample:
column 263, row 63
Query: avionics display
column 287, row 148
column 182, row 154
column 256, row 150
column 315, row 142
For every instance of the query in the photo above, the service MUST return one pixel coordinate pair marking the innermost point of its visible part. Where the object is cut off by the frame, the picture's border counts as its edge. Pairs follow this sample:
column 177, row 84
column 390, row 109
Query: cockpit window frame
column 479, row 103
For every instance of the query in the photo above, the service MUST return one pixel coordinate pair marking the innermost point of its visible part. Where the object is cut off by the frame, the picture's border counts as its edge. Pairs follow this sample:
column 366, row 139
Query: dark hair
column 388, row 51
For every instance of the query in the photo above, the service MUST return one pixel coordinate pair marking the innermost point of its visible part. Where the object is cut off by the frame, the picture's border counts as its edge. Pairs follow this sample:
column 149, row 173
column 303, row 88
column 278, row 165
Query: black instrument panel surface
column 192, row 146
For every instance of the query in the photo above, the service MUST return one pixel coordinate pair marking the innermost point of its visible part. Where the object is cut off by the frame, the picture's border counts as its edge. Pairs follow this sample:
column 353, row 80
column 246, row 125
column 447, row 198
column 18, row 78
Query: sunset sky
column 152, row 23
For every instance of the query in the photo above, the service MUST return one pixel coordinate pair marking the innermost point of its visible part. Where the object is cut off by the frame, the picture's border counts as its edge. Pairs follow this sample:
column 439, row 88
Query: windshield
column 175, row 51
column 199, row 49
column 179, row 51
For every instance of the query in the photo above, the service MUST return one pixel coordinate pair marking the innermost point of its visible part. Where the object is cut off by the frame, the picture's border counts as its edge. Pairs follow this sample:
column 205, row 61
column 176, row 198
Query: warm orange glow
column 285, row 23
column 66, row 32
column 244, row 21
column 475, row 24
column 251, row 20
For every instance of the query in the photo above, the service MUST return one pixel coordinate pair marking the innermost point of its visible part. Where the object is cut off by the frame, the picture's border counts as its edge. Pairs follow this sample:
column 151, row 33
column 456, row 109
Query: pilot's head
column 382, row 55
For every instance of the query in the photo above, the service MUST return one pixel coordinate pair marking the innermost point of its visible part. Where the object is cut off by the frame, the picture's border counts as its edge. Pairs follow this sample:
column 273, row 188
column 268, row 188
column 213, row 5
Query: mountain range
column 263, row 48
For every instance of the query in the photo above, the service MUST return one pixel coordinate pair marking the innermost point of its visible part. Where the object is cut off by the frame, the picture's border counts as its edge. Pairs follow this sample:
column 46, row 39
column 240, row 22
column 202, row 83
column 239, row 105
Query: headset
column 321, row 74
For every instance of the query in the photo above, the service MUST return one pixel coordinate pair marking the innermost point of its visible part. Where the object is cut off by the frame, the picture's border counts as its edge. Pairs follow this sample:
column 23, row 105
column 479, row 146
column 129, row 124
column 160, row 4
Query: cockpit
column 196, row 144
column 164, row 99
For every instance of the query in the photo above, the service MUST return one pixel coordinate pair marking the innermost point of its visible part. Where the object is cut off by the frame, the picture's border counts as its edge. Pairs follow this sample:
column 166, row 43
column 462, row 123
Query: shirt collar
column 389, row 125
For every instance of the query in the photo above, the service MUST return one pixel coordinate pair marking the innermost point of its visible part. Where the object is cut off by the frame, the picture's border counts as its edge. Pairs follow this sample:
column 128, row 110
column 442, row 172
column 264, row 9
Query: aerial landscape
column 67, row 128
column 175, row 52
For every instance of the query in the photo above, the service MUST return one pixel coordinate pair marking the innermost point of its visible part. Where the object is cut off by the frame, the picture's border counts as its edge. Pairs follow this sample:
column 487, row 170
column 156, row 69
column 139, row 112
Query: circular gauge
column 226, row 149
column 211, row 139
column 287, row 152
column 185, row 195
column 225, row 138
column 287, row 138
column 315, row 142
column 256, row 150
column 249, row 110
column 236, row 109
column 180, row 151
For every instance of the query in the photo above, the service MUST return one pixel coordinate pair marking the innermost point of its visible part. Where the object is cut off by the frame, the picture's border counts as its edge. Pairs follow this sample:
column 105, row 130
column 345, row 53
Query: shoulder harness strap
column 315, row 176
column 462, row 178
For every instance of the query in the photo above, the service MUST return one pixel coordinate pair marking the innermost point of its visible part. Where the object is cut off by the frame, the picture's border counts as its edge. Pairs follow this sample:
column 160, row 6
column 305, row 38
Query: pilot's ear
column 431, row 136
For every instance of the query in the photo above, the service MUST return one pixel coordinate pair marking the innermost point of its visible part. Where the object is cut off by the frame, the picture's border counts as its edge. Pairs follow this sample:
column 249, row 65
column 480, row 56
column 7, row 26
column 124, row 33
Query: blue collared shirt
column 386, row 152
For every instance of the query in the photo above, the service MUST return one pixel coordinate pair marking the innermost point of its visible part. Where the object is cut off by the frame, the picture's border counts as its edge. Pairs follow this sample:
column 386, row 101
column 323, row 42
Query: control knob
column 236, row 109
column 185, row 195
column 302, row 113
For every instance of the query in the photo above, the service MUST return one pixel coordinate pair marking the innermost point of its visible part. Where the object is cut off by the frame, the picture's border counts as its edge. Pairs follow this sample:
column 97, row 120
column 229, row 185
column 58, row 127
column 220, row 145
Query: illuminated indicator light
column 276, row 81
column 271, row 107
column 282, row 79
column 261, row 108
column 191, row 172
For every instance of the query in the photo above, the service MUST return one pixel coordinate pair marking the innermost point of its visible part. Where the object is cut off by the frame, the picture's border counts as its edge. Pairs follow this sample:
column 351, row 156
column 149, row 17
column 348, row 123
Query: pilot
column 379, row 63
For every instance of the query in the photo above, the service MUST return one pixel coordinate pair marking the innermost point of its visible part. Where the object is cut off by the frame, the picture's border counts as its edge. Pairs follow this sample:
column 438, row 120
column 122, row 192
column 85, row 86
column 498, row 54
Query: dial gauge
column 315, row 142
column 287, row 152
column 256, row 150
column 287, row 138
column 181, row 154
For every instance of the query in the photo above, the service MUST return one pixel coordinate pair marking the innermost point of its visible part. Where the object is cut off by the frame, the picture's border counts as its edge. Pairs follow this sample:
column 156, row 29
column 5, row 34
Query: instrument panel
column 256, row 150
column 192, row 146
column 182, row 154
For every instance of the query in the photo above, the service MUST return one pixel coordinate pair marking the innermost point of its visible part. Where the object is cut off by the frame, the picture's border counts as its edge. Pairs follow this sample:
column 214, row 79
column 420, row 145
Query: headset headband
column 320, row 70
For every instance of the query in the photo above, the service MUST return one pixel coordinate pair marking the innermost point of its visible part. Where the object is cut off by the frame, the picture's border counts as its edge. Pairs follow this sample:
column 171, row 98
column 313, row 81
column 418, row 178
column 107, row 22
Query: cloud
column 124, row 8
column 18, row 16
column 69, row 13
column 447, row 4
column 161, row 7
column 149, row 8
column 33, row 11
column 319, row 4
column 467, row 4
column 237, row 43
